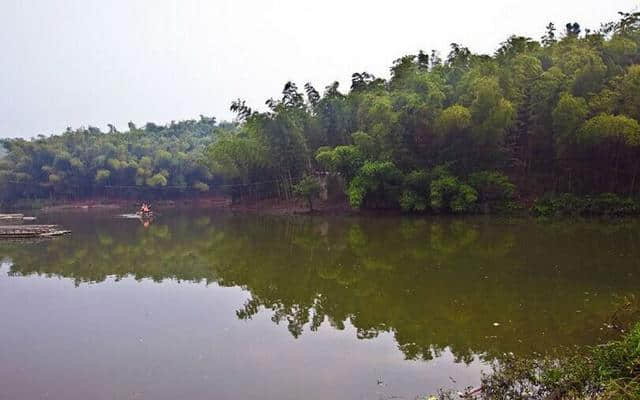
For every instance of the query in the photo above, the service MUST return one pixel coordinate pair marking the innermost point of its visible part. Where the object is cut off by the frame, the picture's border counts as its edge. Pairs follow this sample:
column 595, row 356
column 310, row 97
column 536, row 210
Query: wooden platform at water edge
column 30, row 231
column 14, row 218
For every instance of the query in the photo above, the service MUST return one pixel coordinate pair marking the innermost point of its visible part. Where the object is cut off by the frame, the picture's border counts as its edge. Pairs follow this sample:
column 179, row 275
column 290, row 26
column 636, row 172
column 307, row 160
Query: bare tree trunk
column 633, row 179
column 290, row 183
column 615, row 167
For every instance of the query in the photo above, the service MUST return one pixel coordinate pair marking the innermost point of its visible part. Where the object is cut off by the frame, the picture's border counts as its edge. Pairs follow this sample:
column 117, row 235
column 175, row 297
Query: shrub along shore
column 605, row 372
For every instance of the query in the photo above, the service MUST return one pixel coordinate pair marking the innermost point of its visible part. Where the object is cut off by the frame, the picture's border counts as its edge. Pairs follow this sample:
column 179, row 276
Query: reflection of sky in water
column 173, row 340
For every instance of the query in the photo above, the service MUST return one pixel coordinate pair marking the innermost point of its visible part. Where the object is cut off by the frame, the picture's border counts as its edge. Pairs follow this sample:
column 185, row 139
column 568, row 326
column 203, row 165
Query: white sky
column 92, row 62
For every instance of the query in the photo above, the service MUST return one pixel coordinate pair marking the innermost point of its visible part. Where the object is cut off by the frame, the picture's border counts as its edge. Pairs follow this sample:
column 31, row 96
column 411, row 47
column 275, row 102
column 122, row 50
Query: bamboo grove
column 447, row 134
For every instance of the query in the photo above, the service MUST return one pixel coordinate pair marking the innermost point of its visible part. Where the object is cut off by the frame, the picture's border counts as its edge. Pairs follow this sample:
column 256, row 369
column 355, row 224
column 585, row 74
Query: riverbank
column 264, row 206
column 547, row 206
column 52, row 205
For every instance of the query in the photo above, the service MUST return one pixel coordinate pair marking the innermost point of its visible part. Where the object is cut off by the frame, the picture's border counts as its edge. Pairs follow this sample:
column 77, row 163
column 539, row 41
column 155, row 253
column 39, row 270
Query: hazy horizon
column 79, row 63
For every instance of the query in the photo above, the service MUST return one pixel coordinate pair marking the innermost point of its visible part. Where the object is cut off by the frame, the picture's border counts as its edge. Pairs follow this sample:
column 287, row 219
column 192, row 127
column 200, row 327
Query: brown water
column 216, row 306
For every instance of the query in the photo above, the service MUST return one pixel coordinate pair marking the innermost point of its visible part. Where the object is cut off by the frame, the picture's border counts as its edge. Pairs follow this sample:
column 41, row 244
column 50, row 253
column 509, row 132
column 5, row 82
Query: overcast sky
column 92, row 62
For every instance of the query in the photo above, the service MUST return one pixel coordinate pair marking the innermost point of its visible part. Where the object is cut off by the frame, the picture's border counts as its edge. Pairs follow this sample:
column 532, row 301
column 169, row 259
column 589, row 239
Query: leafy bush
column 569, row 204
column 610, row 371
column 345, row 160
column 415, row 196
column 449, row 194
column 556, row 205
column 201, row 186
column 495, row 191
column 308, row 188
column 157, row 180
column 612, row 204
column 102, row 175
column 378, row 181
column 412, row 201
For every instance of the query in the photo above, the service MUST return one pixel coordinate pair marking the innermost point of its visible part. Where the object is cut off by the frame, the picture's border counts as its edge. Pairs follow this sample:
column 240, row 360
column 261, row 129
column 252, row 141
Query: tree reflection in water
column 432, row 283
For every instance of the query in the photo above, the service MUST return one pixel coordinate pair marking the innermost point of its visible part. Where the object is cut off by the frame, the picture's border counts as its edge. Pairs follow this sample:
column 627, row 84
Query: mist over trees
column 444, row 133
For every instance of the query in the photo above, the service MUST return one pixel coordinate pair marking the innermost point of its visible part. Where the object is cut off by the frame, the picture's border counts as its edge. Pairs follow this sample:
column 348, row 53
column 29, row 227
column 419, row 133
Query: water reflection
column 433, row 284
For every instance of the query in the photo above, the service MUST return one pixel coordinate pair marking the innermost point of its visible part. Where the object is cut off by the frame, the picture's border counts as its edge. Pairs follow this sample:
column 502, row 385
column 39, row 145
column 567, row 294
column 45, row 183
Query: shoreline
column 219, row 203
column 547, row 207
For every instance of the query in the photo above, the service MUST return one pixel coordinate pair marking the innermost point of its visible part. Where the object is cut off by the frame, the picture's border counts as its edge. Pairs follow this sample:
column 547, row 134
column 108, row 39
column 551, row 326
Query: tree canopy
column 555, row 115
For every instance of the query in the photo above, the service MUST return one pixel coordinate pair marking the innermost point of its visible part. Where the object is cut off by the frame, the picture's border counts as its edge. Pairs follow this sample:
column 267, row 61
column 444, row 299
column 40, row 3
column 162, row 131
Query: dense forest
column 86, row 162
column 461, row 133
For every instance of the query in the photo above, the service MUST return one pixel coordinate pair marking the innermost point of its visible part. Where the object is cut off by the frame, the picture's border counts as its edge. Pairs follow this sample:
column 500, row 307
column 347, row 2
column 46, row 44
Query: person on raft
column 145, row 208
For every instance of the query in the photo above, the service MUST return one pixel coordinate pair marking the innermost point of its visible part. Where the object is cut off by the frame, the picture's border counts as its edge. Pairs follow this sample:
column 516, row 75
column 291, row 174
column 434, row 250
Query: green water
column 204, row 305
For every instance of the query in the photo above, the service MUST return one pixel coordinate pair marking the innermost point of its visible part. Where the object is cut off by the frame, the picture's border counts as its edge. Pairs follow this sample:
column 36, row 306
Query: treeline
column 86, row 162
column 467, row 132
column 458, row 134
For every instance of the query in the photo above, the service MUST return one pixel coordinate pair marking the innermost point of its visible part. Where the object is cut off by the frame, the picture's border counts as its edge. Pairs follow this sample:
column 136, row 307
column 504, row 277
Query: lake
column 204, row 305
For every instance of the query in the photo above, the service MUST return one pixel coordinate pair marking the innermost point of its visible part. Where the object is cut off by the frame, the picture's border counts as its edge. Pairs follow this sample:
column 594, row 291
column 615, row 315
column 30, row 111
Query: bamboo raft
column 14, row 218
column 30, row 231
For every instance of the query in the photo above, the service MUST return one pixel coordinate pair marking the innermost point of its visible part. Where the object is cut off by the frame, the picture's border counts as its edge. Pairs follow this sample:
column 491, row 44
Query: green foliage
column 412, row 201
column 610, row 371
column 417, row 187
column 308, row 188
column 492, row 114
column 628, row 95
column 102, row 175
column 345, row 160
column 236, row 156
column 379, row 181
column 201, row 187
column 453, row 120
column 492, row 185
column 80, row 163
column 582, row 63
column 621, row 49
column 448, row 194
column 157, row 180
column 617, row 128
column 568, row 115
column 567, row 204
column 495, row 191
column 557, row 115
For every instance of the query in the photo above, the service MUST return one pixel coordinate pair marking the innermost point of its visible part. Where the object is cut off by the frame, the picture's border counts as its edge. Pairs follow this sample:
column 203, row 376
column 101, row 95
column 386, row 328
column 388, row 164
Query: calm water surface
column 215, row 306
